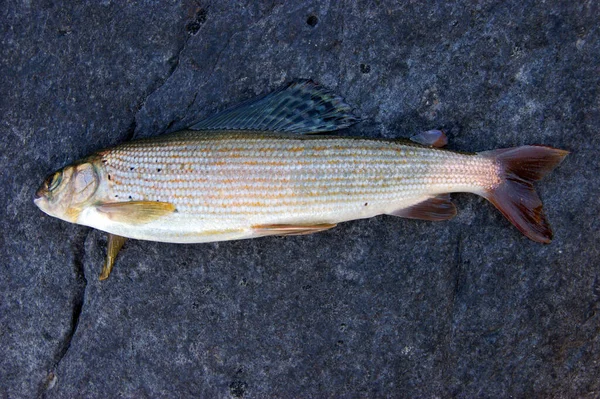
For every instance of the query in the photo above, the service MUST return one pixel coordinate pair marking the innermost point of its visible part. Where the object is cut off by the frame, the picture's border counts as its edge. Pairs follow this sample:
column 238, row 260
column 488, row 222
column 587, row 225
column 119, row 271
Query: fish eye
column 54, row 181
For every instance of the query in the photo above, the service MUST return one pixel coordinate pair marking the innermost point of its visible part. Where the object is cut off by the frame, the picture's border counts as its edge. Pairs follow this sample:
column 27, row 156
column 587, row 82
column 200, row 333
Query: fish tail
column 514, row 195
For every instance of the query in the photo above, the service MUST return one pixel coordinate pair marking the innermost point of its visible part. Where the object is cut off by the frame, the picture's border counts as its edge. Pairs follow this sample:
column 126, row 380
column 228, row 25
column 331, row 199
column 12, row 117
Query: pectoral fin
column 290, row 229
column 434, row 209
column 115, row 243
column 136, row 212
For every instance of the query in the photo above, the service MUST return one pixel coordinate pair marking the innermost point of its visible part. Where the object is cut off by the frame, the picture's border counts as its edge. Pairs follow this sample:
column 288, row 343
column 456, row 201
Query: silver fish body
column 225, row 185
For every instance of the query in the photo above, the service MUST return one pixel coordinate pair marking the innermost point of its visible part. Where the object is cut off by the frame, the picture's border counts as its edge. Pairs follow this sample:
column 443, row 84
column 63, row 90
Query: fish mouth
column 40, row 198
column 41, row 201
column 40, row 193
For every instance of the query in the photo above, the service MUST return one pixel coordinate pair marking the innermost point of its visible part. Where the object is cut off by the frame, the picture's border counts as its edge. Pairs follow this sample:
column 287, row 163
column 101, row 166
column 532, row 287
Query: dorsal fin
column 302, row 106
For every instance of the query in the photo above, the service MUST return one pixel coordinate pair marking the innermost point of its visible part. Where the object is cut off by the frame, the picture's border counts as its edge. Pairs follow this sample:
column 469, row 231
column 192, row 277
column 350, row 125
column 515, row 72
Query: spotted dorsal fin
column 302, row 106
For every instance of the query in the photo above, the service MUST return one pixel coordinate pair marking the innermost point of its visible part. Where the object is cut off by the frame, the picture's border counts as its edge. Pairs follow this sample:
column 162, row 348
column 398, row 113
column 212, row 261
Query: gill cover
column 85, row 183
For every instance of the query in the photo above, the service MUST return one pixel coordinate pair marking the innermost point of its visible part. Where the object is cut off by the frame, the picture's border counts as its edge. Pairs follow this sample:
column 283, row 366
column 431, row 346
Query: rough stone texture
column 379, row 307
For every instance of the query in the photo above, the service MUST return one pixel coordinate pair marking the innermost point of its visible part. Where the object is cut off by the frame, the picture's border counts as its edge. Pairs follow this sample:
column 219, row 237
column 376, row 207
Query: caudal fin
column 515, row 196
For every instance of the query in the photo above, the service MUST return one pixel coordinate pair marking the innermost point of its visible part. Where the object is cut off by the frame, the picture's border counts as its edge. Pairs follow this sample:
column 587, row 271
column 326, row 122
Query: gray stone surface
column 379, row 307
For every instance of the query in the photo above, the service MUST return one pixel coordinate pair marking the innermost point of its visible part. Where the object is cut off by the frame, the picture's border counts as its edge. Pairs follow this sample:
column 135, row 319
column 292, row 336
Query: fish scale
column 285, row 175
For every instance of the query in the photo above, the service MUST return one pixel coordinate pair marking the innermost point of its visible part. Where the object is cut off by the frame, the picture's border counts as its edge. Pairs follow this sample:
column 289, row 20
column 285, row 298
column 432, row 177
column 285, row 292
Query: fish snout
column 40, row 198
column 40, row 193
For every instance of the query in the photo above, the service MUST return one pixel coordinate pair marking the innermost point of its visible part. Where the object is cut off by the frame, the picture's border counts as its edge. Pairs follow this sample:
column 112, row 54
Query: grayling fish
column 249, row 172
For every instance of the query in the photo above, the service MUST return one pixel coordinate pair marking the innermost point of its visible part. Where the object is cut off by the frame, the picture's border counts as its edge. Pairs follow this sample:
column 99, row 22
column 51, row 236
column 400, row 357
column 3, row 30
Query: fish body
column 226, row 184
column 249, row 172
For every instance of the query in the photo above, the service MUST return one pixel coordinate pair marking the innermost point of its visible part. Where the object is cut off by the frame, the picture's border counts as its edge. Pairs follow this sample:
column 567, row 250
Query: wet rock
column 380, row 307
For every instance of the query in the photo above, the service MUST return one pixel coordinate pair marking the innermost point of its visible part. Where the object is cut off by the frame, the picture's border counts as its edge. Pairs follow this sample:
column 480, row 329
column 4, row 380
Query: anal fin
column 290, row 229
column 435, row 209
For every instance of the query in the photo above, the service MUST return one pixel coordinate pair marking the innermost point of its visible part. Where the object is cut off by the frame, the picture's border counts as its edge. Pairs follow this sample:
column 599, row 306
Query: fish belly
column 225, row 184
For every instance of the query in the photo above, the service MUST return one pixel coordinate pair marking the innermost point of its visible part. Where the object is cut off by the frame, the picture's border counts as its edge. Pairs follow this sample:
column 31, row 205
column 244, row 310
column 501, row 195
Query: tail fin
column 515, row 196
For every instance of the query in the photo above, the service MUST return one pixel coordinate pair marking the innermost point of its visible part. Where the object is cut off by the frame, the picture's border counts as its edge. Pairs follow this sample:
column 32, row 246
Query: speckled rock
column 384, row 307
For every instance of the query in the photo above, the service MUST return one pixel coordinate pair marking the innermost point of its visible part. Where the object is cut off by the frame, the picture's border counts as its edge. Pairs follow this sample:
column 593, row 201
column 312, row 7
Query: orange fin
column 515, row 196
column 434, row 209
column 290, row 229
column 432, row 138
column 115, row 243
column 136, row 212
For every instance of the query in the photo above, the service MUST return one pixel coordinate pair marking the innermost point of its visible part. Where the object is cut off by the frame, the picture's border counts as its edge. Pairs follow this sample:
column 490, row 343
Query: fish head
column 66, row 192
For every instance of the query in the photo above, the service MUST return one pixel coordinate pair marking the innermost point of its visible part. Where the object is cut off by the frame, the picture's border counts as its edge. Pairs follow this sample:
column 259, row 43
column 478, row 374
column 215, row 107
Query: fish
column 270, row 167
